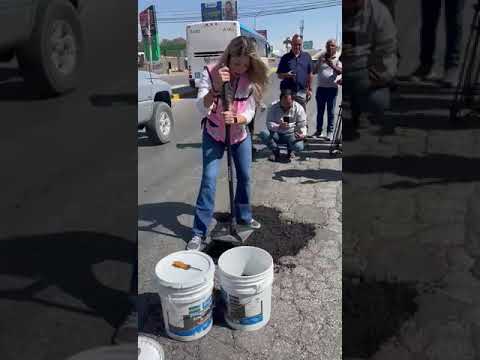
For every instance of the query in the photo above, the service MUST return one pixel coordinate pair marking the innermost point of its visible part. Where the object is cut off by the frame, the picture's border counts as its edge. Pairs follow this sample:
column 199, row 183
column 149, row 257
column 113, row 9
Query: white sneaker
column 451, row 77
column 329, row 136
column 195, row 244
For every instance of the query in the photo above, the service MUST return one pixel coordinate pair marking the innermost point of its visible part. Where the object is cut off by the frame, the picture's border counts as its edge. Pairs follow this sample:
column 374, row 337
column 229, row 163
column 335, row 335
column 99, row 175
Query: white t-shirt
column 327, row 77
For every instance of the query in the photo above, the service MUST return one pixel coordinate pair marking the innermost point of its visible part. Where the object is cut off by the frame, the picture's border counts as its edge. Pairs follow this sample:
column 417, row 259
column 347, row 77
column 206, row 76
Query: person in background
column 228, row 12
column 329, row 67
column 247, row 74
column 453, row 20
column 286, row 123
column 369, row 57
column 296, row 72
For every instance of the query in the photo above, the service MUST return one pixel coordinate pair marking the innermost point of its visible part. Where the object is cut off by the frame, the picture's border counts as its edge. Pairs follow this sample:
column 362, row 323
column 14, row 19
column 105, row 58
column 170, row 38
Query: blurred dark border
column 69, row 194
column 411, row 259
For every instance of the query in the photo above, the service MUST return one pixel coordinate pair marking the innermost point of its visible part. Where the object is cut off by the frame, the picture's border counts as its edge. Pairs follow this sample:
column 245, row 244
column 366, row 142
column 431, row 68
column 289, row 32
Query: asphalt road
column 168, row 183
column 68, row 209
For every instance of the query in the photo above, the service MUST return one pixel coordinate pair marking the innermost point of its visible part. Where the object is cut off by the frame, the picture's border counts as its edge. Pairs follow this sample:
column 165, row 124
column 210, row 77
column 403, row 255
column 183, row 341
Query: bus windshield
column 206, row 42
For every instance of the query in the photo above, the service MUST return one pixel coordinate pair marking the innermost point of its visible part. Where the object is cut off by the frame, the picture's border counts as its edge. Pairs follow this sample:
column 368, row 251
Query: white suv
column 46, row 36
column 155, row 107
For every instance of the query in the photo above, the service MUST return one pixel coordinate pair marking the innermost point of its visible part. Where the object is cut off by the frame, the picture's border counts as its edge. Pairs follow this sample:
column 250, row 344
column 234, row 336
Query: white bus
column 207, row 40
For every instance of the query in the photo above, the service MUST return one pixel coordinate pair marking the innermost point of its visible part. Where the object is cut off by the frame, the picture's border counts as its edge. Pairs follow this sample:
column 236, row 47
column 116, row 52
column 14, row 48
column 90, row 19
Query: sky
column 319, row 25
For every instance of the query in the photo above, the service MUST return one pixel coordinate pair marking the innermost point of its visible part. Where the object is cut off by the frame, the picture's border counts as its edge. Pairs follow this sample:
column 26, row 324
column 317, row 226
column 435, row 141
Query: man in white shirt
column 329, row 68
column 286, row 124
column 369, row 53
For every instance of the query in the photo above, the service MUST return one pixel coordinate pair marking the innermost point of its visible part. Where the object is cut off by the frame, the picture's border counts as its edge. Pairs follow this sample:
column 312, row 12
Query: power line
column 254, row 7
column 250, row 14
column 287, row 7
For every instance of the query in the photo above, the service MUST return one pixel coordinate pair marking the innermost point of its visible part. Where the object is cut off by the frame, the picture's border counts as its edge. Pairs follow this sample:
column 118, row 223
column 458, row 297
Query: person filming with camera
column 286, row 124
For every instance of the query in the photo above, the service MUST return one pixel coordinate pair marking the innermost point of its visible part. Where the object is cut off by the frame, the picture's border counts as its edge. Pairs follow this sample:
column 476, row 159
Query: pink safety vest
column 215, row 124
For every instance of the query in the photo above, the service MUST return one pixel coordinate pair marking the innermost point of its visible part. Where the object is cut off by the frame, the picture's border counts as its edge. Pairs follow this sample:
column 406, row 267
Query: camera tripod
column 468, row 86
column 336, row 142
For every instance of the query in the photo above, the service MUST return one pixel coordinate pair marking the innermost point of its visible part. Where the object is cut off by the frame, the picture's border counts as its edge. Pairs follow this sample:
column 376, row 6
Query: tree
column 172, row 47
column 287, row 42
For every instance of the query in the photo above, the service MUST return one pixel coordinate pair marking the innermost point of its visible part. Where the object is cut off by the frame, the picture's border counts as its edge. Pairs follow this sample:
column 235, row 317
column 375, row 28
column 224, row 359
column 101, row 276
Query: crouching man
column 287, row 124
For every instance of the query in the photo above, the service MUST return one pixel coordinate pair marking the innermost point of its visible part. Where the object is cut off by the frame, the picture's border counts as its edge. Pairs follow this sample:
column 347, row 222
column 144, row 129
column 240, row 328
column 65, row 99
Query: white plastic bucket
column 246, row 277
column 186, row 295
column 149, row 348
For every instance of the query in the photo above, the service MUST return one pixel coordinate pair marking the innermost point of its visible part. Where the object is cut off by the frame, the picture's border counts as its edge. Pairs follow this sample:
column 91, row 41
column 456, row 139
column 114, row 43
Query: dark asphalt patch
column 277, row 236
column 373, row 312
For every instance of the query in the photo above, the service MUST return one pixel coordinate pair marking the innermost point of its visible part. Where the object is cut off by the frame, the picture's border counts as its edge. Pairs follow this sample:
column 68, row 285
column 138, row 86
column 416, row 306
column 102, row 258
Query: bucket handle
column 263, row 286
column 254, row 290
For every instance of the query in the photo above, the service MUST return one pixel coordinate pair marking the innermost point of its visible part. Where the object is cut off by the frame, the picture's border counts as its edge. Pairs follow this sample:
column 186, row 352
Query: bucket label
column 190, row 320
column 245, row 310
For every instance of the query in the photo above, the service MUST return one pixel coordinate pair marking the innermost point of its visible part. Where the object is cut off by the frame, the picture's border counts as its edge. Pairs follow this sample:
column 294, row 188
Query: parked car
column 155, row 107
column 47, row 39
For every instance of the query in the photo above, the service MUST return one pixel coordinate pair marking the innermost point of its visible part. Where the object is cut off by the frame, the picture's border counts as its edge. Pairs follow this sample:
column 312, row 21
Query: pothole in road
column 277, row 236
column 373, row 312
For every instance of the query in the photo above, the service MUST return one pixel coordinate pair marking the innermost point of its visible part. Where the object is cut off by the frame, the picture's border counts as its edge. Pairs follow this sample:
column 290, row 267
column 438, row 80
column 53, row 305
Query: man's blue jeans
column 326, row 96
column 272, row 139
column 363, row 98
column 454, row 10
column 212, row 155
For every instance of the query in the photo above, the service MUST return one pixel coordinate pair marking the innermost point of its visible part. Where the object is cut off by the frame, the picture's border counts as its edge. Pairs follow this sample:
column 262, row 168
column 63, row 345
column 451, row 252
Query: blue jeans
column 366, row 99
column 212, row 155
column 272, row 139
column 453, row 17
column 326, row 96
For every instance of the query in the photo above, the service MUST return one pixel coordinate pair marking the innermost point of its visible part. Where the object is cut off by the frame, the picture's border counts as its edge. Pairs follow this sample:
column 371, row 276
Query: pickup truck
column 154, row 107
column 47, row 38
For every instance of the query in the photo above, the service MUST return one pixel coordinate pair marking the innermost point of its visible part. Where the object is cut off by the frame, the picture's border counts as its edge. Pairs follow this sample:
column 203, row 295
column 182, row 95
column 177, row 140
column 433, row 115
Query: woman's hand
column 229, row 117
column 221, row 75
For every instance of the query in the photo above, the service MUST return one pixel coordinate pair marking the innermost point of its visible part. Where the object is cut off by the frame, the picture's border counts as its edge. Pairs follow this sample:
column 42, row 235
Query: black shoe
column 420, row 73
column 290, row 156
column 275, row 156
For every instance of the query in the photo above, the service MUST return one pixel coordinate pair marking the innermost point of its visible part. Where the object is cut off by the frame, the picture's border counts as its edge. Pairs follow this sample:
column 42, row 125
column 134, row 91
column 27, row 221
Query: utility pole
column 336, row 37
column 286, row 42
column 302, row 26
column 150, row 41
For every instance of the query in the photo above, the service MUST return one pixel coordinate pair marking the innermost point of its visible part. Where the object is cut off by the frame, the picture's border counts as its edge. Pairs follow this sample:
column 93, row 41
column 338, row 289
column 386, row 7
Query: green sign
column 148, row 26
column 308, row 45
column 154, row 48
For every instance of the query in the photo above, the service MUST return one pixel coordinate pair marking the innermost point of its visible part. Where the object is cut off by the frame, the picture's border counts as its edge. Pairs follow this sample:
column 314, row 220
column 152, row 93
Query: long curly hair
column 257, row 71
